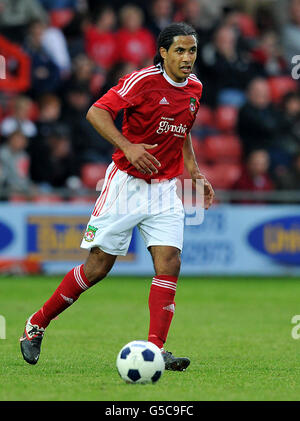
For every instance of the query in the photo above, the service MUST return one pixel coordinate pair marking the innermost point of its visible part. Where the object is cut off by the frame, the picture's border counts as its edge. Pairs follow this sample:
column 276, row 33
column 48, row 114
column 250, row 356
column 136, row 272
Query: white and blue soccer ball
column 140, row 362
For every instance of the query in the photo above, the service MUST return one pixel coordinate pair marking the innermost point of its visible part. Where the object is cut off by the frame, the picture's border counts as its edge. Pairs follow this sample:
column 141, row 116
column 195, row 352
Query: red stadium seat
column 222, row 149
column 34, row 111
column 83, row 199
column 226, row 118
column 247, row 25
column 226, row 175
column 222, row 176
column 197, row 146
column 281, row 85
column 61, row 17
column 18, row 198
column 204, row 117
column 47, row 198
column 92, row 173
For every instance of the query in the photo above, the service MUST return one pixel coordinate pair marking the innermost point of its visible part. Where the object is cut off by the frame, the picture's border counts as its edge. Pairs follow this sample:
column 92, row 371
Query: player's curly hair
column 166, row 38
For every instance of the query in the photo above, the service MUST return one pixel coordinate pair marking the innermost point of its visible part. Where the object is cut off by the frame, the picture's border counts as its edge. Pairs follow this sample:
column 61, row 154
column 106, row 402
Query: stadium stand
column 228, row 36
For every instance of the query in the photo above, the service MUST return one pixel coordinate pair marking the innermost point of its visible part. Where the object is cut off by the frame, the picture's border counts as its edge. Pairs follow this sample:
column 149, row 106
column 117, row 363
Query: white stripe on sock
column 163, row 286
column 79, row 279
column 165, row 282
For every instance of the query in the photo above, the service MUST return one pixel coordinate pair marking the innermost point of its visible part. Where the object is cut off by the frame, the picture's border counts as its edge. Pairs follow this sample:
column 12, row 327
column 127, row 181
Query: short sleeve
column 129, row 92
column 123, row 95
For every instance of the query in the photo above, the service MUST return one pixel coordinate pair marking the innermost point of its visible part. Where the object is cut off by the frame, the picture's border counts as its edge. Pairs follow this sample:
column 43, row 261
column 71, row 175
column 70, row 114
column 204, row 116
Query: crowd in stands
column 62, row 55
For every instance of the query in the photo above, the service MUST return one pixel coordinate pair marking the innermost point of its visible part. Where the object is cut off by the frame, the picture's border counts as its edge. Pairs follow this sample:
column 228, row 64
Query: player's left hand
column 203, row 185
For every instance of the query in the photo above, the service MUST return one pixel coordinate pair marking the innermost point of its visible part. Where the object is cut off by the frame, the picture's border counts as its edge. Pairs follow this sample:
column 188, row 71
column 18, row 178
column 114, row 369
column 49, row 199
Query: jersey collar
column 172, row 82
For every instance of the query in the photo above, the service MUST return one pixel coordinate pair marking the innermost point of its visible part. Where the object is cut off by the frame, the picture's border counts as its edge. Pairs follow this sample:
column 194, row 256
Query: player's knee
column 96, row 274
column 98, row 265
column 169, row 265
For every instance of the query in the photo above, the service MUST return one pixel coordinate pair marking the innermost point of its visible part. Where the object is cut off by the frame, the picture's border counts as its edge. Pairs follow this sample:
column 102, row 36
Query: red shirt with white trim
column 157, row 110
column 137, row 47
column 101, row 47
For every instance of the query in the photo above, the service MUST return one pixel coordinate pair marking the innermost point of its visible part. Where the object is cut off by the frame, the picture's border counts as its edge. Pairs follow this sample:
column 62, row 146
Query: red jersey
column 137, row 47
column 157, row 110
column 101, row 47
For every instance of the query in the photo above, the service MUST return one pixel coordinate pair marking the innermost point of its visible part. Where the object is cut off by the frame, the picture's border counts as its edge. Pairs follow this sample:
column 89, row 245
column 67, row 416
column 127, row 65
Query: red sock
column 73, row 284
column 162, row 308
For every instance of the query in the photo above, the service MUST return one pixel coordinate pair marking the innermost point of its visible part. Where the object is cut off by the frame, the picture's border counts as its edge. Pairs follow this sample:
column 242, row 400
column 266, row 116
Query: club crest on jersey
column 90, row 233
column 192, row 105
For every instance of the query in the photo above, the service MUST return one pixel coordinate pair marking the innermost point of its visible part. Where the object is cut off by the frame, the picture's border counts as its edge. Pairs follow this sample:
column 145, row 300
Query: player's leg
column 166, row 260
column 78, row 280
column 75, row 282
column 107, row 235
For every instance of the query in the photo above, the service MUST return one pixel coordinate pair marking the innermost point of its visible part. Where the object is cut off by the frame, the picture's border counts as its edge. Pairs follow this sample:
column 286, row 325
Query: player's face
column 180, row 57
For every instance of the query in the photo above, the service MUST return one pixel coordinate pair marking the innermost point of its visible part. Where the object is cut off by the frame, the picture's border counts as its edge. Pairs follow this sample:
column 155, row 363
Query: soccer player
column 160, row 103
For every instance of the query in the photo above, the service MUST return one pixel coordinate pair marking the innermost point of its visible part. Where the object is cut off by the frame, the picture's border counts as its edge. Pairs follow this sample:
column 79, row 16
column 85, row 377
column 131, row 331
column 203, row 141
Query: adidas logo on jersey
column 164, row 101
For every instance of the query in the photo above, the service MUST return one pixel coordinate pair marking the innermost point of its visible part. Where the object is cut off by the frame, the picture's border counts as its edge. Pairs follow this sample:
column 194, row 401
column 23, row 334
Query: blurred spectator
column 45, row 75
column 290, row 178
column 136, row 43
column 258, row 121
column 57, row 164
column 100, row 40
column 19, row 120
column 14, row 162
column 266, row 17
column 225, row 70
column 55, row 45
column 268, row 55
column 255, row 176
column 87, row 143
column 49, row 117
column 161, row 13
column 85, row 73
column 290, row 33
column 58, row 4
column 209, row 13
column 16, row 15
column 287, row 138
column 202, row 16
column 119, row 70
column 243, row 24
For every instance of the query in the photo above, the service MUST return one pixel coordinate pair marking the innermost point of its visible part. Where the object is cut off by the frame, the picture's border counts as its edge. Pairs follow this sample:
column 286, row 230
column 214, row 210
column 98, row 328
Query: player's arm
column 136, row 154
column 191, row 165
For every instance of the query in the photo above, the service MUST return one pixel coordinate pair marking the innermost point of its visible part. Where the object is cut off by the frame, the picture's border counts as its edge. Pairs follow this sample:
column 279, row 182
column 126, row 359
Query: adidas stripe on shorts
column 125, row 202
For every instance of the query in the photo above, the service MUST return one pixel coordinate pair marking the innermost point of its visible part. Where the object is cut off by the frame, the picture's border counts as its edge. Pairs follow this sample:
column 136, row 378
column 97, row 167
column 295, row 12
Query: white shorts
column 125, row 202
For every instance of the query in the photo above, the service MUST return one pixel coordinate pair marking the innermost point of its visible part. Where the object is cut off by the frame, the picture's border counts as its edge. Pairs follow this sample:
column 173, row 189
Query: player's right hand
column 142, row 160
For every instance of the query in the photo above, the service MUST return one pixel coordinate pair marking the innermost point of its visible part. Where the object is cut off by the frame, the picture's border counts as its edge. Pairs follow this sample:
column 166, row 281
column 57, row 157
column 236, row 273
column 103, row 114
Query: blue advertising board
column 231, row 240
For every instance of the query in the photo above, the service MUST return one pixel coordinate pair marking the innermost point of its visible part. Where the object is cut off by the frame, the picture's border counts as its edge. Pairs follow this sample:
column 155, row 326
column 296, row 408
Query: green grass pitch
column 237, row 332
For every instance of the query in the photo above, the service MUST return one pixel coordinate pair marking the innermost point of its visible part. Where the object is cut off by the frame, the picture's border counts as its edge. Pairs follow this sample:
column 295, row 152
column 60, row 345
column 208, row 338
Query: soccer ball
column 140, row 362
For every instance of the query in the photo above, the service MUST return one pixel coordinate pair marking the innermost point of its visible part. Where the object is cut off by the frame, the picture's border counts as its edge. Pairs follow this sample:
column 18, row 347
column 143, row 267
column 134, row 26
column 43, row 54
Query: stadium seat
column 34, row 111
column 47, row 198
column 204, row 117
column 226, row 118
column 222, row 175
column 197, row 146
column 18, row 198
column 247, row 25
column 83, row 199
column 281, row 85
column 61, row 17
column 226, row 175
column 92, row 173
column 222, row 148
